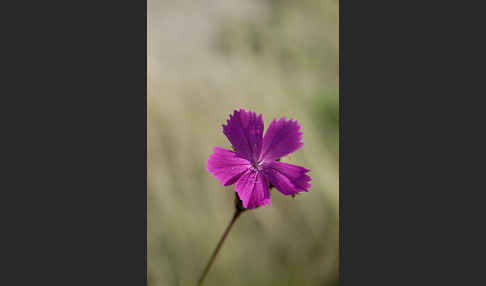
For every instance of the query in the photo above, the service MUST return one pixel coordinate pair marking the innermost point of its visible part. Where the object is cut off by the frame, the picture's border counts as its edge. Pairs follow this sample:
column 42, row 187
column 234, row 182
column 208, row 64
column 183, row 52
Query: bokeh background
column 205, row 59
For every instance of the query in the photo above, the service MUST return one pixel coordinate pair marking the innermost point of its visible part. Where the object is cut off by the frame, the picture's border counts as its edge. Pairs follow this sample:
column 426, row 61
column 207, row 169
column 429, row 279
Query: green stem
column 237, row 214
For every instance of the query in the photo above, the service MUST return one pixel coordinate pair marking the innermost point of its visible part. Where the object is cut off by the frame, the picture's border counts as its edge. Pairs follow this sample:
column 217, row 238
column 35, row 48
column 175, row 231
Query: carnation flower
column 255, row 164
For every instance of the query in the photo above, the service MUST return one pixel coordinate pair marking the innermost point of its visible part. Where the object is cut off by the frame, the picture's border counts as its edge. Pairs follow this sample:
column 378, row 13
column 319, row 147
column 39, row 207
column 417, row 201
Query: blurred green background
column 205, row 59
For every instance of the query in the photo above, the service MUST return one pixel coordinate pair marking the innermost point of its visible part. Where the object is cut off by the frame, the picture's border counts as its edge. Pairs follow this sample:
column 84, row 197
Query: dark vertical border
column 404, row 78
column 78, row 157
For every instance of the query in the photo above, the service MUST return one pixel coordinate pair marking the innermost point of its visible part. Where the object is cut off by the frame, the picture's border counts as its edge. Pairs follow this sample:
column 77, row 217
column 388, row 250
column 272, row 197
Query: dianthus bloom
column 255, row 164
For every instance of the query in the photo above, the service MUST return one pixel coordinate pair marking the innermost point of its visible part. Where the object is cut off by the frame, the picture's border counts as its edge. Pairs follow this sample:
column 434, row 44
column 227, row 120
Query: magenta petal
column 287, row 178
column 245, row 132
column 226, row 165
column 252, row 188
column 281, row 138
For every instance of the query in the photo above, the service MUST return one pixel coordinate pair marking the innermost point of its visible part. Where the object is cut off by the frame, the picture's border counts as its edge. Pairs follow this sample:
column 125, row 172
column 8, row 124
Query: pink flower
column 254, row 165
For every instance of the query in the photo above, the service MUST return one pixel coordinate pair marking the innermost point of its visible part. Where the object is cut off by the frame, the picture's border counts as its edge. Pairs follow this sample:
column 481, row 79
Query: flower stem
column 237, row 214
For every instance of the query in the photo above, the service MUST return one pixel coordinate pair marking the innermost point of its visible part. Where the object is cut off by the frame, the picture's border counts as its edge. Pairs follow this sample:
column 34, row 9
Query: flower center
column 257, row 165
